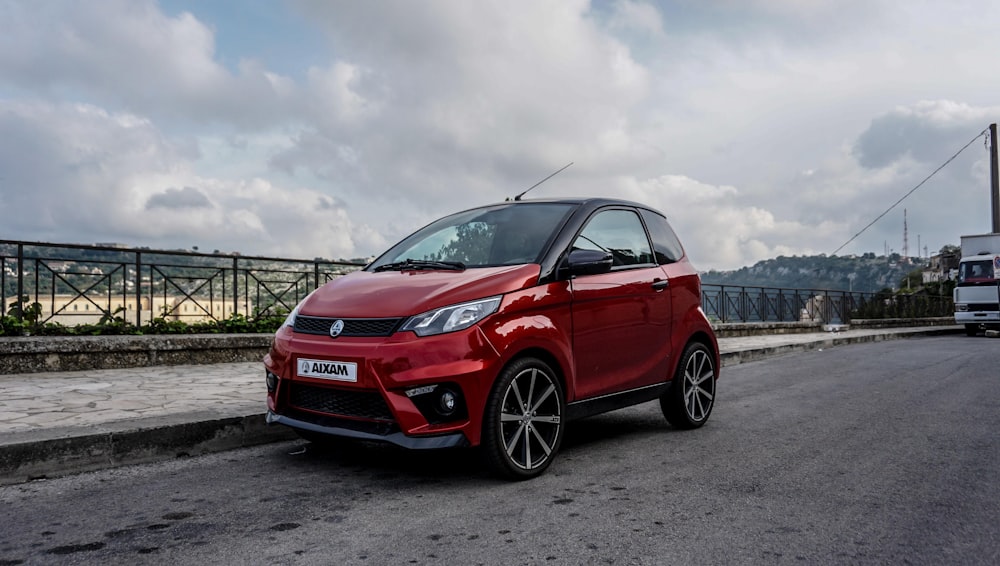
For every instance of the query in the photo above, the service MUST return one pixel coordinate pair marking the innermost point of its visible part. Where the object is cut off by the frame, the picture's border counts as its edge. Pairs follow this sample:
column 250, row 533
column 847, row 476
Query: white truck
column 977, row 291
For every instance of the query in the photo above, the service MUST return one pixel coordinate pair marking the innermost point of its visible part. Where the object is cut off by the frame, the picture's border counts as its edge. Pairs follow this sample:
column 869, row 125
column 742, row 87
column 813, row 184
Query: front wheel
column 971, row 329
column 523, row 421
column 689, row 400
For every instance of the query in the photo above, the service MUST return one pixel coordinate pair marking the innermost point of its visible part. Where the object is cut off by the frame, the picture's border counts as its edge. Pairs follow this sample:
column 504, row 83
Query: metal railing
column 735, row 303
column 76, row 283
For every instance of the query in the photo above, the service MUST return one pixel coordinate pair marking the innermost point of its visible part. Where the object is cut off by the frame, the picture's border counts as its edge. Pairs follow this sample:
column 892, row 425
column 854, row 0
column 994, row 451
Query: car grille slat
column 352, row 326
column 340, row 402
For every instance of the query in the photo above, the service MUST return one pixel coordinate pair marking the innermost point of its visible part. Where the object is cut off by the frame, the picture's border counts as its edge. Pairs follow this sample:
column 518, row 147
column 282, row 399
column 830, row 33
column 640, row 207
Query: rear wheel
column 523, row 421
column 689, row 400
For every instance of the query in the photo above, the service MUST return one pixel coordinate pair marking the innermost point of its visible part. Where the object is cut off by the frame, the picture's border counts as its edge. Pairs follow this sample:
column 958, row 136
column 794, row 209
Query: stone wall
column 34, row 354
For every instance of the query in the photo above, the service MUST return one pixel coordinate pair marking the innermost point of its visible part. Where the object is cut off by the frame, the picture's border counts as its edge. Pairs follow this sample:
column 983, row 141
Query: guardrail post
column 236, row 284
column 138, row 289
column 20, row 282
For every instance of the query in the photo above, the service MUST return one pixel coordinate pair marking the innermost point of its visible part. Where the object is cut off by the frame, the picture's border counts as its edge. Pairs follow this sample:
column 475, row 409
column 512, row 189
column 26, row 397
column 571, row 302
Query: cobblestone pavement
column 84, row 399
column 87, row 398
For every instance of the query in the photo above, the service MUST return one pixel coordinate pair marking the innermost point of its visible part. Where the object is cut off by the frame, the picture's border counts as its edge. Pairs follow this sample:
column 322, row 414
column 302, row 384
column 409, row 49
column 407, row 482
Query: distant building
column 942, row 267
column 70, row 310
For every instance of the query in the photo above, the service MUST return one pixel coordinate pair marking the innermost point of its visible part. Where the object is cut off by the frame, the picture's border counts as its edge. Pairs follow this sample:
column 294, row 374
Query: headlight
column 290, row 319
column 452, row 318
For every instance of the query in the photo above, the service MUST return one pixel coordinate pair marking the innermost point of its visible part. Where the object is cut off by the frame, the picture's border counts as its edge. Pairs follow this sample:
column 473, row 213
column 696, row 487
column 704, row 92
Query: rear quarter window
column 666, row 246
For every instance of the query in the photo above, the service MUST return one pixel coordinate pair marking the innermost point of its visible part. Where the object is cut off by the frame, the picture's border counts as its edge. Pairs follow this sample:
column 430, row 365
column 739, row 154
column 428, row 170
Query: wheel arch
column 549, row 358
column 709, row 341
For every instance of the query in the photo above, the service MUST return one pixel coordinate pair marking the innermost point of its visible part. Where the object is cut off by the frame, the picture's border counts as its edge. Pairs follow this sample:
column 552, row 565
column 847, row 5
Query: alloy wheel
column 699, row 386
column 531, row 419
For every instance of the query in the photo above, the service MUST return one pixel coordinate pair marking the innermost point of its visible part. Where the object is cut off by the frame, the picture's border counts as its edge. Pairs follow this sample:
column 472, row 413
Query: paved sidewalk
column 57, row 423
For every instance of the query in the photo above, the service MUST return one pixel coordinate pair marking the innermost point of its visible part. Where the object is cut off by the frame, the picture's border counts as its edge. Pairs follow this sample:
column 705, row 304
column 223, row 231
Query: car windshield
column 506, row 234
column 976, row 271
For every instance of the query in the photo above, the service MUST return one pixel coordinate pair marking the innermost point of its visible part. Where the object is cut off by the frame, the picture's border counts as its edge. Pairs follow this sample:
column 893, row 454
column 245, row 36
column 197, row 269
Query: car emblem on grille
column 336, row 328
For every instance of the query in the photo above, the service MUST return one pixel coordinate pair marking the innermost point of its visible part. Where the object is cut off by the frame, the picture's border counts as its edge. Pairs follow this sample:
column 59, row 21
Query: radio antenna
column 518, row 197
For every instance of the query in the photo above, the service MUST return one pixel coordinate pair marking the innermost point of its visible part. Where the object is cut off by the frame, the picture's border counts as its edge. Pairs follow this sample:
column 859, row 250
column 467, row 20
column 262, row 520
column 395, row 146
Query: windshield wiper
column 421, row 264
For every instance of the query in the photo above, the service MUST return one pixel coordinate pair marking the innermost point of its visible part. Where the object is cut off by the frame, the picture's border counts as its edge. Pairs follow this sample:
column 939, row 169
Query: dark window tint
column 977, row 271
column 665, row 243
column 507, row 234
column 618, row 232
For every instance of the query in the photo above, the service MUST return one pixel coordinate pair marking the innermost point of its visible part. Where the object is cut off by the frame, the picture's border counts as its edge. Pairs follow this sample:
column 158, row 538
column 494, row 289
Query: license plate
column 328, row 369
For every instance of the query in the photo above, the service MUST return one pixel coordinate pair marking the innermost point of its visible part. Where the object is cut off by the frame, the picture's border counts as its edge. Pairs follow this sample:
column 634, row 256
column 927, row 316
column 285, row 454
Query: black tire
column 688, row 402
column 524, row 420
column 971, row 329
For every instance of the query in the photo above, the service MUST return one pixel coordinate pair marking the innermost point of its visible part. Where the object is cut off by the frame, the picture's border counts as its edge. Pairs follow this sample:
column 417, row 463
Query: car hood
column 388, row 294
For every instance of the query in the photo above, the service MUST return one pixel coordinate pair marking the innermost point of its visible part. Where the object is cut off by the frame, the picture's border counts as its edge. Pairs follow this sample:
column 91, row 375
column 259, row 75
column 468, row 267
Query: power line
column 879, row 217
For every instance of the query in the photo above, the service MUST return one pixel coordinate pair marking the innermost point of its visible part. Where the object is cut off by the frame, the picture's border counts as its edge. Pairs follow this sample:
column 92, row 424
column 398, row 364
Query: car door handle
column 661, row 285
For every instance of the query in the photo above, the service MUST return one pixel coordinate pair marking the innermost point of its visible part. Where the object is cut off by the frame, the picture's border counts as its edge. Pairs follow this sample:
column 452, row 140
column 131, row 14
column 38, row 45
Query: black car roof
column 588, row 202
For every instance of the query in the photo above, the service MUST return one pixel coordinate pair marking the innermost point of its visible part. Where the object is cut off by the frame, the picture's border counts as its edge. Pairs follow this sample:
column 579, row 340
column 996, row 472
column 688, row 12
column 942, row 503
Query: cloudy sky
column 334, row 128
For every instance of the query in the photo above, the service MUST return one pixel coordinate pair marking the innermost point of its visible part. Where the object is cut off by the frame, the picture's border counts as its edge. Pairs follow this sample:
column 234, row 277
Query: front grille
column 352, row 326
column 342, row 402
column 984, row 307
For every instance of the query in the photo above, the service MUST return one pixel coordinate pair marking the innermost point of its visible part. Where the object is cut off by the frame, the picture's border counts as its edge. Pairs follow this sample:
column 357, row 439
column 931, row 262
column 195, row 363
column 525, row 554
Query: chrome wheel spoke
column 517, row 394
column 543, row 397
column 531, row 390
column 541, row 441
column 527, row 449
column 698, row 391
column 513, row 441
column 531, row 419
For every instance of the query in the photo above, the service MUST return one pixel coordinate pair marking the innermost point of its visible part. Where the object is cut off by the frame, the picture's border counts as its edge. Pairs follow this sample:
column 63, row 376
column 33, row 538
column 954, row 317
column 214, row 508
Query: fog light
column 446, row 403
column 439, row 403
column 272, row 382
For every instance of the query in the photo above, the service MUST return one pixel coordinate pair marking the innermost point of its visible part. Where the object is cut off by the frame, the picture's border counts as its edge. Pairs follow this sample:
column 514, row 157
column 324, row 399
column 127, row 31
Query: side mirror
column 587, row 262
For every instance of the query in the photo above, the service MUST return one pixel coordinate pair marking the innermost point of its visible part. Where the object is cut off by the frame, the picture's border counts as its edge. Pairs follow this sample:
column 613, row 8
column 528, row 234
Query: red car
column 495, row 327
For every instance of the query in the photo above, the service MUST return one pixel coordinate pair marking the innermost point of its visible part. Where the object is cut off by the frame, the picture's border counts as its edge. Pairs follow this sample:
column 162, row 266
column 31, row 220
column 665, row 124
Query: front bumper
column 452, row 440
column 382, row 404
column 977, row 317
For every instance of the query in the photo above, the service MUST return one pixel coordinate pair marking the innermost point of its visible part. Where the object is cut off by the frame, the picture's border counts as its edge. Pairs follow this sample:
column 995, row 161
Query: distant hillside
column 870, row 273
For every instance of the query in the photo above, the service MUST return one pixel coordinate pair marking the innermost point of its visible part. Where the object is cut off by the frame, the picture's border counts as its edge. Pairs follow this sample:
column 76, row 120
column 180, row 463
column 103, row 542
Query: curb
column 42, row 458
column 755, row 354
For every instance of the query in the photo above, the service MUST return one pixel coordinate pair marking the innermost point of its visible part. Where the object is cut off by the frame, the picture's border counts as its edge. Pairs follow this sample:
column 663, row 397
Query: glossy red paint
column 610, row 333
column 364, row 294
column 621, row 331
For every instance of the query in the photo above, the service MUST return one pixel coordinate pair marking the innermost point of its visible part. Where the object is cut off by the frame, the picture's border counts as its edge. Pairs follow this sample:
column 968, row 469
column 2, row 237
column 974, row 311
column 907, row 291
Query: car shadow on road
column 373, row 460
column 614, row 427
column 378, row 461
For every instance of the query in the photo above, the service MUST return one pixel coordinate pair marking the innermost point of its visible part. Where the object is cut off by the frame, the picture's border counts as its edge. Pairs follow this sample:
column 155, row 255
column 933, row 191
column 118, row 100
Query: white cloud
column 711, row 111
column 76, row 169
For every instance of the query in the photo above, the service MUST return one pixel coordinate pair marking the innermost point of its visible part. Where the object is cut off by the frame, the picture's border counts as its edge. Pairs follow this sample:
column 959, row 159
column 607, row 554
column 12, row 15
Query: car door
column 621, row 319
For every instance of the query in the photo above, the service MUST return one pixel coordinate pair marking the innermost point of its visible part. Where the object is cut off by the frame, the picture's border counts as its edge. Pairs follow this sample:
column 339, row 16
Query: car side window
column 618, row 232
column 665, row 243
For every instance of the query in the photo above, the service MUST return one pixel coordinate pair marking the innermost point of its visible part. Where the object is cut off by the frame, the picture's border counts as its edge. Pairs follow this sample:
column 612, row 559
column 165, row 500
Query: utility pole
column 906, row 238
column 994, row 179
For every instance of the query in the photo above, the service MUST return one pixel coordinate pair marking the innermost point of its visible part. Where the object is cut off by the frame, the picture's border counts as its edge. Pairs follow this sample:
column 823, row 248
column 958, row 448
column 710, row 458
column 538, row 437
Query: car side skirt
column 614, row 401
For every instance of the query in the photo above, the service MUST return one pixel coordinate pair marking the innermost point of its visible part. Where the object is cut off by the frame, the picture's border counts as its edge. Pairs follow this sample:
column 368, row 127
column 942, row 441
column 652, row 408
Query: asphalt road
column 864, row 454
